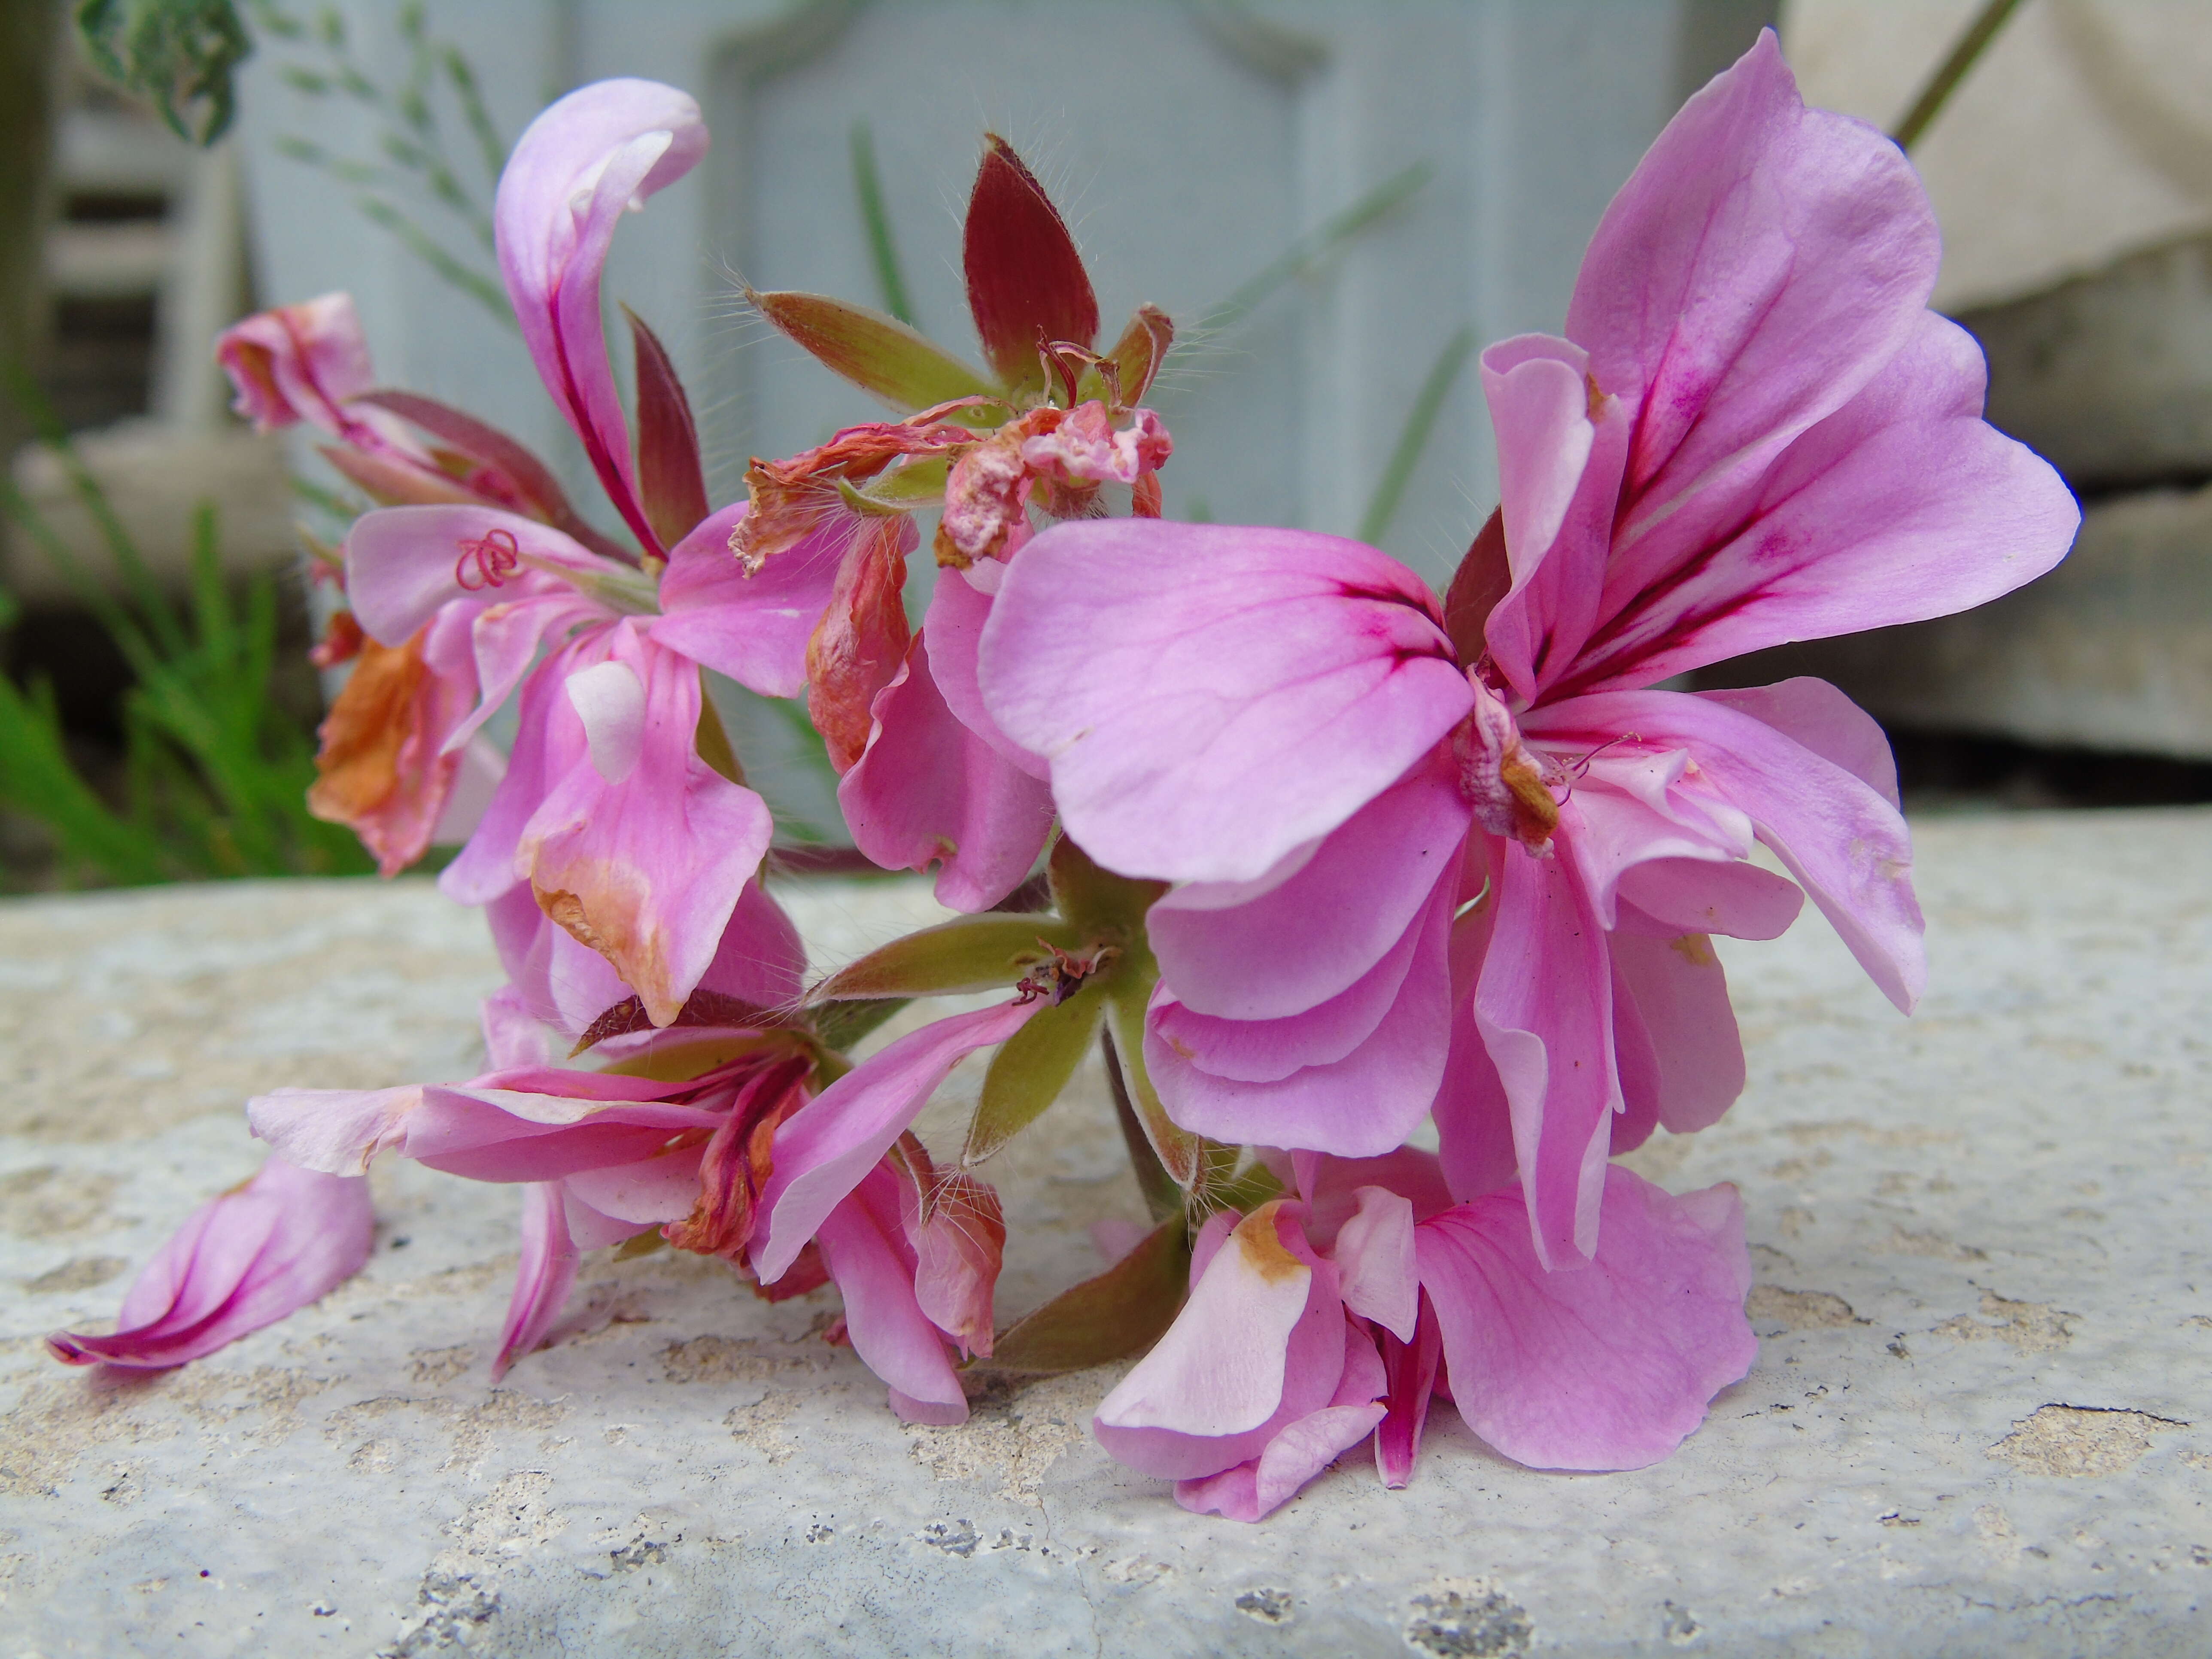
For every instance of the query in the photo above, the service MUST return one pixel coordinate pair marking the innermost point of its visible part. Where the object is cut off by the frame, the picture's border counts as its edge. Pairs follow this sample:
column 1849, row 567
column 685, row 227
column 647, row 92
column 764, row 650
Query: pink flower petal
column 1764, row 263
column 543, row 1277
column 586, row 160
column 1544, row 1005
column 1211, row 698
column 1374, row 1258
column 1903, row 505
column 826, row 1146
column 1359, row 1106
column 1846, row 846
column 753, row 629
column 1681, row 998
column 958, row 608
column 859, row 1239
column 1560, row 448
column 1260, row 1345
column 645, row 867
column 1327, row 926
column 1815, row 714
column 1410, row 1373
column 1607, row 1367
column 1300, row 1450
column 266, row 1248
column 404, row 563
column 930, row 790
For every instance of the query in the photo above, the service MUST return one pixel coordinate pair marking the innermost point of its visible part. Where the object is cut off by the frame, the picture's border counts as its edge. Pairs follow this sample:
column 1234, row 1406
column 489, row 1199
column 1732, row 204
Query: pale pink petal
column 958, row 607
column 1560, row 448
column 1301, row 1450
column 644, row 867
column 1267, row 1050
column 826, row 1146
column 1846, row 846
column 650, row 1192
column 929, row 790
column 1474, row 1122
column 1763, row 263
column 542, row 1124
column 1666, row 898
column 600, row 150
column 404, row 563
column 1903, row 505
column 1260, row 1344
column 1332, row 1187
column 513, row 1035
column 1374, row 1257
column 309, row 362
column 1636, row 1063
column 860, row 1238
column 1544, row 1005
column 549, row 743
column 1210, row 698
column 1815, row 714
column 753, row 629
column 1633, row 808
column 268, row 1247
column 958, row 1234
column 1681, row 993
column 1608, row 1367
column 1360, row 1106
column 1340, row 912
column 543, row 1277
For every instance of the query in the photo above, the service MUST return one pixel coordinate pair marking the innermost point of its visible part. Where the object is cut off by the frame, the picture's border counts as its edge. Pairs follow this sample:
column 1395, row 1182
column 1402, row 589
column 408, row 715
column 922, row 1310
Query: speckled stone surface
column 1980, row 1423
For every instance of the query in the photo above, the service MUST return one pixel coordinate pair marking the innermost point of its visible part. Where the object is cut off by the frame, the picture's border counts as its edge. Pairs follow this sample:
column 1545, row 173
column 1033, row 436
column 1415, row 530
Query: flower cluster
column 1320, row 858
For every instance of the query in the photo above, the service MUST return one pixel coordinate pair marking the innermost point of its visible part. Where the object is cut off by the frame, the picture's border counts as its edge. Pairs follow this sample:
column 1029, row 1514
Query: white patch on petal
column 610, row 699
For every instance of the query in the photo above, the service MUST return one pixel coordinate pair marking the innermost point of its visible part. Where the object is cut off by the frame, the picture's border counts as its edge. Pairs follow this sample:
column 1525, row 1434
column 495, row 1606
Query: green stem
column 1414, row 437
column 1940, row 85
column 1161, row 1196
column 876, row 219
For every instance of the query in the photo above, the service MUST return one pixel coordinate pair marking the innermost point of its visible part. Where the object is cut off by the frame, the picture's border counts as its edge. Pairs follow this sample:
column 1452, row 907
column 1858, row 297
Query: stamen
column 494, row 556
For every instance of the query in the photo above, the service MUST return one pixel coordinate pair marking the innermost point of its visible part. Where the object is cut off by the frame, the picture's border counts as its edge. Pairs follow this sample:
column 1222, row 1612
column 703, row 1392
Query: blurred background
column 1336, row 200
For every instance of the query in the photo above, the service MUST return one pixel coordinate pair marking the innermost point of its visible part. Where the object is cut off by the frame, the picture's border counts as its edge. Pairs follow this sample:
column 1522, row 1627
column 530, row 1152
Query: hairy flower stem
column 1161, row 1196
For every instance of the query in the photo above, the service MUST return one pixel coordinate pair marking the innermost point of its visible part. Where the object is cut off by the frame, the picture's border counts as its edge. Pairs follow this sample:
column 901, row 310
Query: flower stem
column 1945, row 81
column 1161, row 1196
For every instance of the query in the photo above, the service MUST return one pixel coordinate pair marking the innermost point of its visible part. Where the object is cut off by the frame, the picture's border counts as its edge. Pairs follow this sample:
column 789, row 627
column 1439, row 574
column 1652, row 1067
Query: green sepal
column 1122, row 1312
column 875, row 352
column 1097, row 902
column 976, row 953
column 1029, row 1070
column 841, row 1024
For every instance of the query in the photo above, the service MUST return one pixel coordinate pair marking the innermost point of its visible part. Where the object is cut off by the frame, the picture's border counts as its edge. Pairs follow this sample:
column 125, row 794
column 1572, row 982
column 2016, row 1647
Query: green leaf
column 179, row 55
column 976, row 953
column 1029, row 1070
column 876, row 353
column 1124, row 1310
column 1097, row 902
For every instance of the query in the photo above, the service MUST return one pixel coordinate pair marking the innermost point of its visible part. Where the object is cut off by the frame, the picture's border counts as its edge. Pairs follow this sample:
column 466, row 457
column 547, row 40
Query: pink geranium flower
column 1313, row 1322
column 1755, row 433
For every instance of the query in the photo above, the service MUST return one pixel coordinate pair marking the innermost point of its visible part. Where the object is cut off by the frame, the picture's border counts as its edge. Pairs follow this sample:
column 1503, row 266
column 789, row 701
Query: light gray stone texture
column 2109, row 377
column 1979, row 1422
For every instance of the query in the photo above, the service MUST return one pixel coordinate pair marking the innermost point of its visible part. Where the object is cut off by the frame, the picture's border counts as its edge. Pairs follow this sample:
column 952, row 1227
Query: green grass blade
column 1414, row 437
column 1308, row 251
column 876, row 219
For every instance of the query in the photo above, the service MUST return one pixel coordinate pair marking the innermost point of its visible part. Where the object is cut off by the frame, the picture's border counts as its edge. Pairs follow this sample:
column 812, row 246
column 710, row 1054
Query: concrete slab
column 1979, row 1424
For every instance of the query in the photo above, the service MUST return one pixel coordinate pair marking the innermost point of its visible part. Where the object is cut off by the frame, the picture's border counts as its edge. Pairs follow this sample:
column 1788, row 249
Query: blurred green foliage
column 214, row 775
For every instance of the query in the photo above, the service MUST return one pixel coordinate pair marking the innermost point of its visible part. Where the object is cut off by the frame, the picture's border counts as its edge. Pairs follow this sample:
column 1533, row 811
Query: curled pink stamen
column 494, row 556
